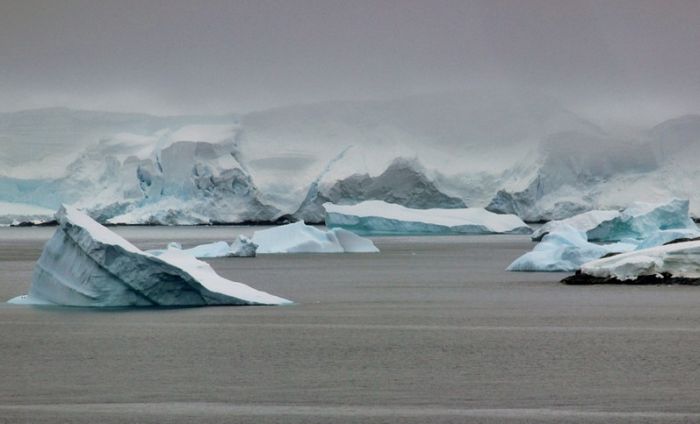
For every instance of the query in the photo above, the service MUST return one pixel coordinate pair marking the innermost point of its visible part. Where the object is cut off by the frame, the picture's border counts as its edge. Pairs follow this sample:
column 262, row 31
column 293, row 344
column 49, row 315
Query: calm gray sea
column 431, row 330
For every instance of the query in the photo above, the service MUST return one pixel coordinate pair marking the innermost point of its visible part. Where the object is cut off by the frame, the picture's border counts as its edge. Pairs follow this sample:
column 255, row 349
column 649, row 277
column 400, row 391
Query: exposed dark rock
column 401, row 183
column 665, row 278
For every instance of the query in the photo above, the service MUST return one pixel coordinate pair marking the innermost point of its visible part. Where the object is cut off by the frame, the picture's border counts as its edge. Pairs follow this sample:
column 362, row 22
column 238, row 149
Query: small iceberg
column 242, row 247
column 565, row 249
column 677, row 263
column 301, row 238
column 638, row 221
column 376, row 217
column 86, row 264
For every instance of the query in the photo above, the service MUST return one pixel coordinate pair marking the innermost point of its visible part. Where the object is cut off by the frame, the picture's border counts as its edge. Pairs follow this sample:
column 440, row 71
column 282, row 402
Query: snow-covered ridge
column 518, row 153
column 86, row 264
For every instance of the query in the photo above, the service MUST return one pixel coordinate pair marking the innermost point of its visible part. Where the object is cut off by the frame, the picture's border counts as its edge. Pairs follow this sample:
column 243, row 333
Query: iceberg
column 677, row 263
column 376, row 217
column 301, row 238
column 241, row 247
column 638, row 221
column 85, row 264
column 217, row 249
column 565, row 249
column 584, row 222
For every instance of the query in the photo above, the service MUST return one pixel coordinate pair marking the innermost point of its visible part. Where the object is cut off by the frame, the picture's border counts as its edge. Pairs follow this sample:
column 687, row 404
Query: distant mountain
column 516, row 152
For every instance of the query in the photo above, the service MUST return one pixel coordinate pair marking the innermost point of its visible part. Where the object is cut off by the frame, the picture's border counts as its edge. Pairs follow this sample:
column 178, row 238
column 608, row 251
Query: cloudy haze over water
column 636, row 62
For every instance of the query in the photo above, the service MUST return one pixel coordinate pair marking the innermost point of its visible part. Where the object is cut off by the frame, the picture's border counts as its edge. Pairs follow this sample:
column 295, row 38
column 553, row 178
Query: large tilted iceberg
column 635, row 222
column 565, row 249
column 672, row 263
column 85, row 264
column 301, row 238
column 375, row 217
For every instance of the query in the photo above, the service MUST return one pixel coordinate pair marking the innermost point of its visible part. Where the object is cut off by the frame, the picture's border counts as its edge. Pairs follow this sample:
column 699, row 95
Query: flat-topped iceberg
column 86, row 264
column 301, row 238
column 638, row 221
column 672, row 263
column 565, row 249
column 375, row 217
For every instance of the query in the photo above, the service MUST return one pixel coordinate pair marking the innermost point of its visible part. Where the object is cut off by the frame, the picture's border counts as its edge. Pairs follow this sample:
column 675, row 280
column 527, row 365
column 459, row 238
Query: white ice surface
column 678, row 260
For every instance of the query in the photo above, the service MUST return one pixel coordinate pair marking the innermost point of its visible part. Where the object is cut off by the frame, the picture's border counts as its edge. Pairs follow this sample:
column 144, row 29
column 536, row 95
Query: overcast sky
column 634, row 59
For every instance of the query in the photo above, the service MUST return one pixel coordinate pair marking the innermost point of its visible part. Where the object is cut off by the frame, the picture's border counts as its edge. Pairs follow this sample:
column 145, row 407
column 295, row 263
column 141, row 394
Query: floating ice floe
column 376, row 217
column 301, row 238
column 635, row 222
column 241, row 247
column 85, row 264
column 672, row 263
column 565, row 249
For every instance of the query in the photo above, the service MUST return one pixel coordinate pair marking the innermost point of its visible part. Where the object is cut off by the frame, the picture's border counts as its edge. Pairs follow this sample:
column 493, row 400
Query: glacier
column 516, row 152
column 677, row 263
column 376, row 217
column 85, row 264
column 15, row 214
column 436, row 150
column 579, row 172
column 301, row 238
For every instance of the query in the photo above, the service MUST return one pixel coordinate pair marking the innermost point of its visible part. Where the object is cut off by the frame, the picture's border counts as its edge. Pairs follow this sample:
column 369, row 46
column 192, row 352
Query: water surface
column 431, row 330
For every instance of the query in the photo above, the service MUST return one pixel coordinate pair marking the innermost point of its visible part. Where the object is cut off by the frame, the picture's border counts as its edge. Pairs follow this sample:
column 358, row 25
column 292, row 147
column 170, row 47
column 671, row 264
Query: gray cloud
column 636, row 60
